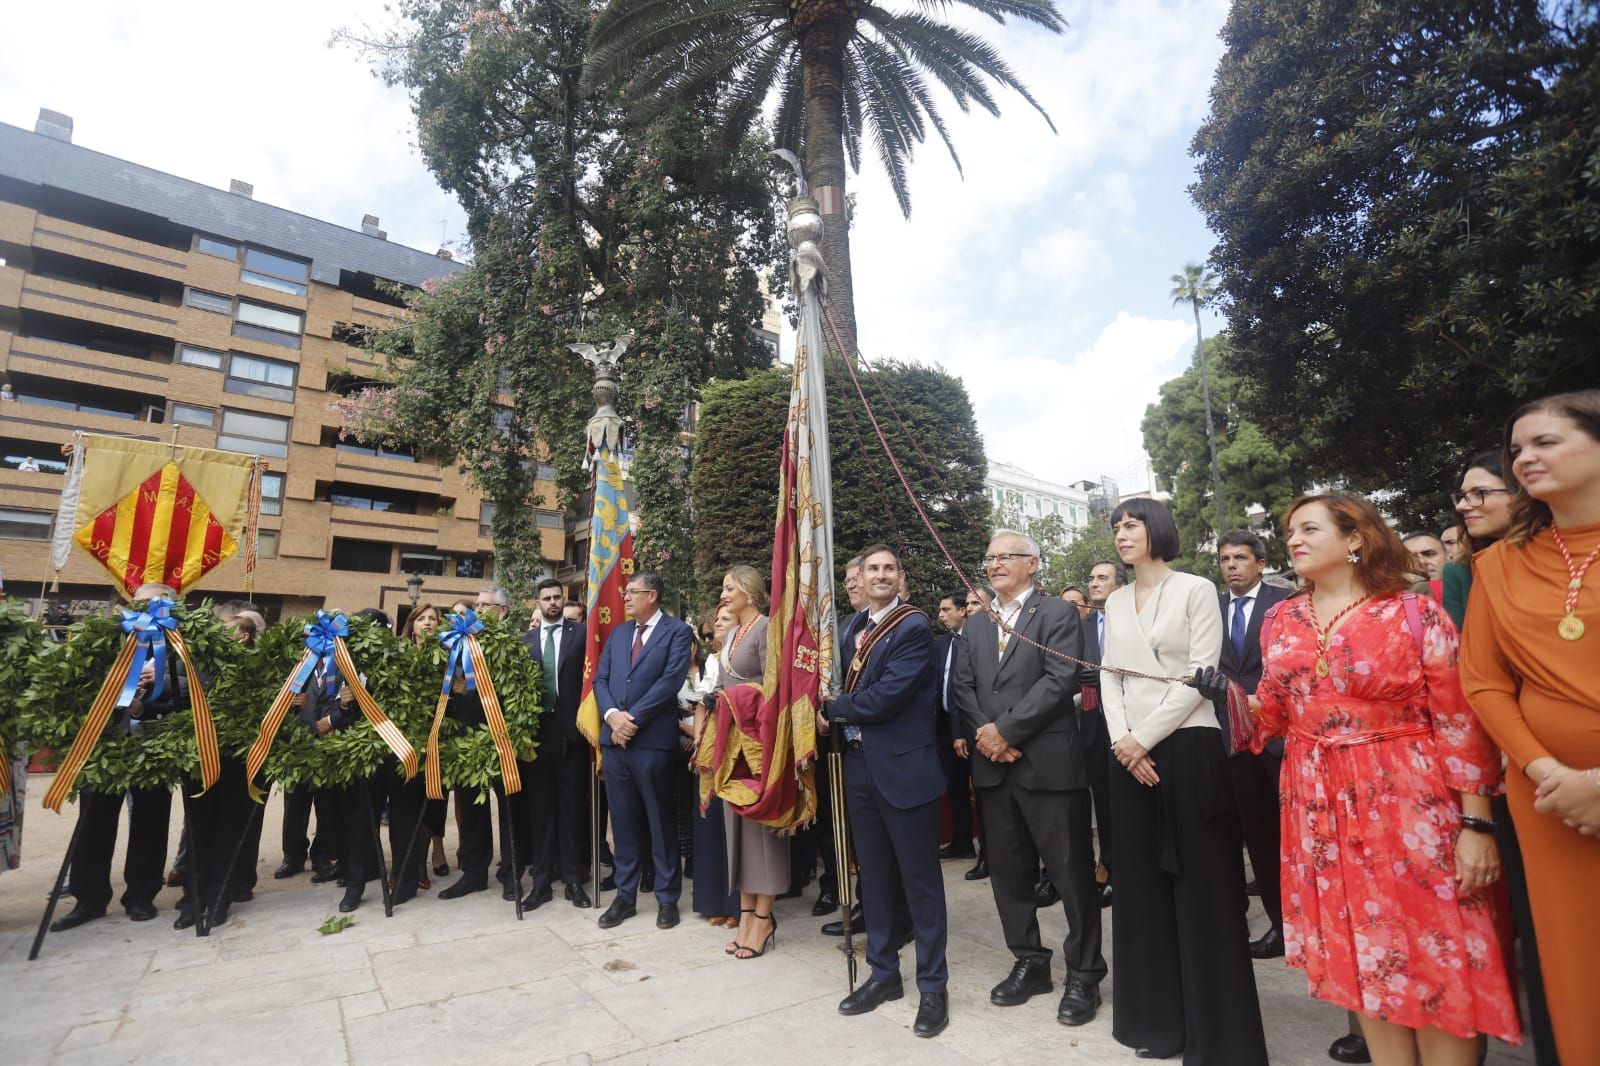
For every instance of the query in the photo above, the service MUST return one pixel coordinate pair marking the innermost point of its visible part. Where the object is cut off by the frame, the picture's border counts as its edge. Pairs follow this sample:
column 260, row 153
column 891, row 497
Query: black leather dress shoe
column 243, row 895
column 836, row 928
column 538, row 898
column 1268, row 946
column 978, row 872
column 464, row 886
column 1349, row 1048
column 826, row 904
column 1152, row 1053
column 74, row 918
column 667, row 916
column 325, row 873
column 138, row 912
column 349, row 903
column 1046, row 894
column 871, row 995
column 403, row 894
column 955, row 851
column 608, row 883
column 508, row 891
column 1104, row 892
column 1028, row 978
column 647, row 882
column 288, row 869
column 616, row 914
column 578, row 896
column 1078, row 1002
column 185, row 920
column 933, row 1014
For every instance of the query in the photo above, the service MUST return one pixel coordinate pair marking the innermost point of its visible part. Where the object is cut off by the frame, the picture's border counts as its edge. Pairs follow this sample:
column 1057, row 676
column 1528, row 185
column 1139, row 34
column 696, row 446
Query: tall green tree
column 935, row 437
column 840, row 72
column 582, row 229
column 1195, row 286
column 1253, row 470
column 1407, row 203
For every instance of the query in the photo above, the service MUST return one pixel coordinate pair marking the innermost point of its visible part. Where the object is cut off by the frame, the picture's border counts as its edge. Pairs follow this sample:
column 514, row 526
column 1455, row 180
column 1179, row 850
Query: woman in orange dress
column 1531, row 668
column 1387, row 843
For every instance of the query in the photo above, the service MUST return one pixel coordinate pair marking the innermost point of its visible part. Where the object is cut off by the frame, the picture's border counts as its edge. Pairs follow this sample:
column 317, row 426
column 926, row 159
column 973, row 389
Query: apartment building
column 138, row 303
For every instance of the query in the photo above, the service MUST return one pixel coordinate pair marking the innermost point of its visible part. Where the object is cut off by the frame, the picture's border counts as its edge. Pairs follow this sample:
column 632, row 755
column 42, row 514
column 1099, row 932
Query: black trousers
column 405, row 799
column 144, row 865
column 217, row 820
column 358, row 814
column 1179, row 940
column 555, row 792
column 1537, row 1023
column 477, row 833
column 958, row 782
column 1026, row 826
column 329, row 843
column 897, row 855
column 1097, row 750
column 1255, row 790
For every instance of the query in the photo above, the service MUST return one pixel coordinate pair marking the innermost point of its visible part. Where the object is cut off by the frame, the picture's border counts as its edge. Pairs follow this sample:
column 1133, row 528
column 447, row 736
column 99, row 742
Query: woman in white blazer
column 1184, row 981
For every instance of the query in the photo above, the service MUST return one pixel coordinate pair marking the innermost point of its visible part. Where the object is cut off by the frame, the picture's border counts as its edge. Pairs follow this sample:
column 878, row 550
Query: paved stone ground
column 464, row 981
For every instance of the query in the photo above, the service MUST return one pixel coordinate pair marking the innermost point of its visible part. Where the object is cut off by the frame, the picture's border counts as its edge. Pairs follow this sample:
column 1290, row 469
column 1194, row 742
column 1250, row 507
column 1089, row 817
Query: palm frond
column 670, row 77
column 947, row 53
column 886, row 123
column 852, row 125
column 911, row 92
column 789, row 125
column 919, row 31
column 628, row 31
column 1041, row 12
column 752, row 87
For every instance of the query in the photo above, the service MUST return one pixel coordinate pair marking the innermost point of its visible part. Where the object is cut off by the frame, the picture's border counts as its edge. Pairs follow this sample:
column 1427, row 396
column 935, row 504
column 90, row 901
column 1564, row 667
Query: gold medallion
column 1322, row 666
column 1570, row 627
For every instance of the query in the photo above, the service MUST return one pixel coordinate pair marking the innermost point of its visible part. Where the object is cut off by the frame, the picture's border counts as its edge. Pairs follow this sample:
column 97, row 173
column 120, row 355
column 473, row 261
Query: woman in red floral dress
column 1387, row 839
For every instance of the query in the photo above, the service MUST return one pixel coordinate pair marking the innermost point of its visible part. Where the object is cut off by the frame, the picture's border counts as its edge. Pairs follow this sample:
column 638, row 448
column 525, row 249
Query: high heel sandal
column 770, row 942
column 733, row 945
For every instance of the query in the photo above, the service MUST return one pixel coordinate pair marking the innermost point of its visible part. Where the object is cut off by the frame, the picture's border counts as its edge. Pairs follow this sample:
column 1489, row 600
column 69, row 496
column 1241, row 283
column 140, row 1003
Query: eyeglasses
column 1475, row 497
column 636, row 592
column 1004, row 557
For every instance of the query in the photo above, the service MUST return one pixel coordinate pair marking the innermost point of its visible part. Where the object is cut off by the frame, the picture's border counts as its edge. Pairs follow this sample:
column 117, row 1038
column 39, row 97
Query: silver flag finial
column 801, row 189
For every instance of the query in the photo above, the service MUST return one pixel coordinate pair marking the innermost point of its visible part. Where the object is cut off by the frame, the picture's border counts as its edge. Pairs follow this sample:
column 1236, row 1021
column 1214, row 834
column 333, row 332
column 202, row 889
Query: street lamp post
column 414, row 589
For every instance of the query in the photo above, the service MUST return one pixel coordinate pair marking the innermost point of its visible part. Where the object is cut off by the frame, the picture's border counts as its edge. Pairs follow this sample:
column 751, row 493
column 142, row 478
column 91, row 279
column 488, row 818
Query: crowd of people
column 1402, row 733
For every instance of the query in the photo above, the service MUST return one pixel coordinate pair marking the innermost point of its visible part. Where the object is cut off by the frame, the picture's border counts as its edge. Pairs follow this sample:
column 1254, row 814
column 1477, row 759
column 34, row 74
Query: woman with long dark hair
column 1529, row 668
column 1388, row 844
column 1179, row 943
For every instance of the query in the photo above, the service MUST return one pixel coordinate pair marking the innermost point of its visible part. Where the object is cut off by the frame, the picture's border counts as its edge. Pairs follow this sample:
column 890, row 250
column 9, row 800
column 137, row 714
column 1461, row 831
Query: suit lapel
column 1024, row 626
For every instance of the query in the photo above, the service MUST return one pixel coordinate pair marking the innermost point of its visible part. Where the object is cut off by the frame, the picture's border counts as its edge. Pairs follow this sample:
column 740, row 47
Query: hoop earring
column 1353, row 558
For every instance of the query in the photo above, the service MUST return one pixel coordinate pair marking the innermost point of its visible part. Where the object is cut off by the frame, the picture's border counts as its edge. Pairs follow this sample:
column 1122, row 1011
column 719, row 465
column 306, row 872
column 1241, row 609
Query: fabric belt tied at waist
column 1325, row 741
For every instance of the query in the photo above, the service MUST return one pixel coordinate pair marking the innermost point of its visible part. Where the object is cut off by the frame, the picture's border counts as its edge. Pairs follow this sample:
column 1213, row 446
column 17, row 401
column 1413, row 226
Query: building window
column 428, row 564
column 24, row 525
column 189, row 355
column 208, row 301
column 245, row 431
column 266, row 544
column 220, row 249
column 187, row 414
column 355, row 447
column 274, row 272
column 370, row 500
column 485, row 519
column 255, row 376
column 272, row 494
column 545, row 472
column 475, row 566
column 363, row 556
column 270, row 324
column 549, row 520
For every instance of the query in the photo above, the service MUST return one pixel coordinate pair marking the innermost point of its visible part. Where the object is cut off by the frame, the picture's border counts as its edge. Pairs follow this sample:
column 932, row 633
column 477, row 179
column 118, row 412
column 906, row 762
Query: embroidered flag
column 610, row 566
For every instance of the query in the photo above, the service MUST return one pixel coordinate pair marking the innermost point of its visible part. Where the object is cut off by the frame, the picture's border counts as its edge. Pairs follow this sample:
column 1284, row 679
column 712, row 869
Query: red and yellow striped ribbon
column 511, row 779
column 105, row 702
column 372, row 712
column 257, row 758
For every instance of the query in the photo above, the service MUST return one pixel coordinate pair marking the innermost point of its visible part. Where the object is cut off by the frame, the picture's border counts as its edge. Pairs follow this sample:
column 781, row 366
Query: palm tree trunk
column 1211, row 433
column 822, row 46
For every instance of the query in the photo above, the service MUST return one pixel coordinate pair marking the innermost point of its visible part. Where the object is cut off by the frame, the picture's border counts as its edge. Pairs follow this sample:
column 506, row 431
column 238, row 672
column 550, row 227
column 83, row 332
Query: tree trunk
column 822, row 44
column 1211, row 433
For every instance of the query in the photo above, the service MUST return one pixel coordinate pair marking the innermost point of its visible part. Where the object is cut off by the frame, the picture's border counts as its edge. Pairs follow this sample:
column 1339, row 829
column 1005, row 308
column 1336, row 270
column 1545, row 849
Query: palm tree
column 1194, row 287
column 840, row 70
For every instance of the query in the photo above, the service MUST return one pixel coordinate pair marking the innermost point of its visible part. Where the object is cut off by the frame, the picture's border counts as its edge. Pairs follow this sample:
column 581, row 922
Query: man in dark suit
column 1105, row 577
column 1243, row 559
column 952, row 617
column 641, row 669
column 893, row 784
column 1029, row 769
column 557, row 783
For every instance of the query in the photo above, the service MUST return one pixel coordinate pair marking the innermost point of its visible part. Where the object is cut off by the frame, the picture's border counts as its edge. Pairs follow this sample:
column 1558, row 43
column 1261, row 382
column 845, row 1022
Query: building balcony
column 31, row 355
column 72, row 300
column 361, row 524
column 380, row 472
column 84, row 242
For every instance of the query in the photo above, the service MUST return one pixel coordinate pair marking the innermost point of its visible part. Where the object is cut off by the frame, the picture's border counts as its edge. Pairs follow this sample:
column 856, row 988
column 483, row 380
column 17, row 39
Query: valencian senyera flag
column 152, row 512
column 760, row 757
column 610, row 566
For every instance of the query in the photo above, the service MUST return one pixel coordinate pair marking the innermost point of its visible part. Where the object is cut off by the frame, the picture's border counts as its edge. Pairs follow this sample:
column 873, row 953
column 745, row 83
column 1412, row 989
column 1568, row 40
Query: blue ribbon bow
column 453, row 636
column 148, row 628
column 320, row 637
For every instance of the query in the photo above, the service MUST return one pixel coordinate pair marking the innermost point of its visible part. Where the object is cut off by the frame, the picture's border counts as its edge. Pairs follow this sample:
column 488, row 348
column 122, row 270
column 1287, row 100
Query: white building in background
column 1015, row 493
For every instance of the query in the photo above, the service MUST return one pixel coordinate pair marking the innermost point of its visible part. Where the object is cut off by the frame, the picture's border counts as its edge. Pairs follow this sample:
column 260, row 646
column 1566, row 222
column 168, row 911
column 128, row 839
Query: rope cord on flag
column 894, row 461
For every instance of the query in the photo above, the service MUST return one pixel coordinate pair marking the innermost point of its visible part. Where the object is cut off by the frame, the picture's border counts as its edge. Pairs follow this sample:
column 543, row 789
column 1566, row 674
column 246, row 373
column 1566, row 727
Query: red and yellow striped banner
column 161, row 531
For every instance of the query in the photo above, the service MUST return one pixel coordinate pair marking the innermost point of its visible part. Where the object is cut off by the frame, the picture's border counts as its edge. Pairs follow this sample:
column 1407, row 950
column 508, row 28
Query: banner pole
column 59, row 884
column 377, row 846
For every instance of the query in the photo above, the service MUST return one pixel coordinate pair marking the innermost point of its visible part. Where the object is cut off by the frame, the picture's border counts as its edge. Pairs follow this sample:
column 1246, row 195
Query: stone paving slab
column 462, row 980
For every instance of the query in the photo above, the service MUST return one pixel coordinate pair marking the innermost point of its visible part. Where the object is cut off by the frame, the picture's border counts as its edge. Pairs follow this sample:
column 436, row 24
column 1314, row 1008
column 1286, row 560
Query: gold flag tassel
column 105, row 701
column 369, row 708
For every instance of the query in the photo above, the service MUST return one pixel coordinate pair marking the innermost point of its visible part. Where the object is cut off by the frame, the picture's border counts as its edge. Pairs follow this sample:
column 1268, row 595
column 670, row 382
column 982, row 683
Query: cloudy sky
column 1041, row 277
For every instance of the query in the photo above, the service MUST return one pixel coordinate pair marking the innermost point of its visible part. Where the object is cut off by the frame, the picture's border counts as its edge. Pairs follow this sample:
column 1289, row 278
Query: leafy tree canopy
column 736, row 485
column 581, row 231
column 1407, row 201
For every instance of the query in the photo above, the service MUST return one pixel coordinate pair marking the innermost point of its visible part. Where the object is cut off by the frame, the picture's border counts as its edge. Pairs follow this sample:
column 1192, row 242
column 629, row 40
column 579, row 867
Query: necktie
column 638, row 643
column 550, row 661
column 1240, row 625
column 1100, row 630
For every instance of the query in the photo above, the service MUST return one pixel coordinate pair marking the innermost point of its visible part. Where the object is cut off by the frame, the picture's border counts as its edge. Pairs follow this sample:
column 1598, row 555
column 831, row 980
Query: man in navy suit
column 556, row 785
column 952, row 616
column 1243, row 559
column 893, row 785
column 641, row 669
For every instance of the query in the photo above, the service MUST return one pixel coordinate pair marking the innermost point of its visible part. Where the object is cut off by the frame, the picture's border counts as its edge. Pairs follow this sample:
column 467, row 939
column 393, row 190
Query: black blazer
column 1028, row 695
column 948, row 715
column 1246, row 669
column 561, row 721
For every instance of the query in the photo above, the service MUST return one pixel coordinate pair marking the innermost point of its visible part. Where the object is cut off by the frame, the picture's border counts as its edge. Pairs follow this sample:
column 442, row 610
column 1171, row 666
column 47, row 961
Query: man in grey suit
column 1029, row 770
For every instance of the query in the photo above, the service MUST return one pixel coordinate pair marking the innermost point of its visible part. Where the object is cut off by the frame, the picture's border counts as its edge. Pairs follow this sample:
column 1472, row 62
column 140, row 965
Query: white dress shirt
column 1009, row 613
column 1254, row 596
